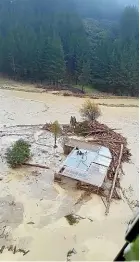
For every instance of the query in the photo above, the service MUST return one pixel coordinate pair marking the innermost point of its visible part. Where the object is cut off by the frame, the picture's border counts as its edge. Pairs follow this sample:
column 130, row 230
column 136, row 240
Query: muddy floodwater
column 34, row 207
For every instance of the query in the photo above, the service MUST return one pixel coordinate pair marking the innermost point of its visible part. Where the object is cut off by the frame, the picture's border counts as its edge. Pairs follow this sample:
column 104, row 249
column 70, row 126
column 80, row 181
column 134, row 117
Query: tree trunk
column 13, row 65
column 55, row 138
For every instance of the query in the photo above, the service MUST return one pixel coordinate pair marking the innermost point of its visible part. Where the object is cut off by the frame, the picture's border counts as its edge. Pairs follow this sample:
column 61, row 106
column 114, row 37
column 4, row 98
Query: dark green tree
column 85, row 75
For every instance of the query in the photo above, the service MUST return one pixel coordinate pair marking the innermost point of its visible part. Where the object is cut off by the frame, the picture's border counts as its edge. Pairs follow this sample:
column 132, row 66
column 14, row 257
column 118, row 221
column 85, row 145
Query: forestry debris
column 101, row 134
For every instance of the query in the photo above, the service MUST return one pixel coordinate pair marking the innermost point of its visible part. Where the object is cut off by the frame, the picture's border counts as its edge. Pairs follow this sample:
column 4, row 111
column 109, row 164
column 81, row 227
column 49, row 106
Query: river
column 19, row 107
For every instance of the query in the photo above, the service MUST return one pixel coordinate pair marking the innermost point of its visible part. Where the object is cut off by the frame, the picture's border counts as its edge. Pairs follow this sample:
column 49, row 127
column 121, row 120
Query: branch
column 114, row 181
column 35, row 165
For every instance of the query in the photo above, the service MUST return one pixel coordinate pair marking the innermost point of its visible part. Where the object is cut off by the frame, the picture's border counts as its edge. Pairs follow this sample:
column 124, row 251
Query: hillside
column 81, row 42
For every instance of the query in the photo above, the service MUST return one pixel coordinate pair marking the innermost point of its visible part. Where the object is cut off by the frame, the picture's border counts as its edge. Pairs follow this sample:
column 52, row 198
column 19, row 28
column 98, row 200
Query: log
column 122, row 171
column 114, row 181
column 95, row 132
column 103, row 201
column 102, row 140
column 115, row 129
column 36, row 165
column 14, row 134
column 22, row 126
column 101, row 131
column 2, row 248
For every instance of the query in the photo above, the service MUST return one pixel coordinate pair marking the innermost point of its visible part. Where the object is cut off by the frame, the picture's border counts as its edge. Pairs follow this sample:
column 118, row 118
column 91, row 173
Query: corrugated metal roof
column 87, row 165
column 97, row 174
column 104, row 151
column 102, row 160
column 94, row 176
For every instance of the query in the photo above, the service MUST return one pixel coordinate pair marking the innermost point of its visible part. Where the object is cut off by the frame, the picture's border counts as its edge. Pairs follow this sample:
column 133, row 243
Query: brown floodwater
column 19, row 108
column 23, row 108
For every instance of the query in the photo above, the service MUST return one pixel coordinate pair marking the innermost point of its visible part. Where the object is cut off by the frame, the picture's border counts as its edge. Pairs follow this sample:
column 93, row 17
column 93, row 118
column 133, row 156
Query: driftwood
column 99, row 191
column 114, row 181
column 15, row 250
column 103, row 201
column 103, row 135
column 103, row 140
column 13, row 134
column 2, row 234
column 2, row 249
column 96, row 190
column 98, row 131
column 36, row 165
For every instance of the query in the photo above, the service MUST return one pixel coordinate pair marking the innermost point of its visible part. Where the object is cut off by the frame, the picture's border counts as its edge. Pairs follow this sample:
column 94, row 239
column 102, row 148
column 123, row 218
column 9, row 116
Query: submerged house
column 86, row 163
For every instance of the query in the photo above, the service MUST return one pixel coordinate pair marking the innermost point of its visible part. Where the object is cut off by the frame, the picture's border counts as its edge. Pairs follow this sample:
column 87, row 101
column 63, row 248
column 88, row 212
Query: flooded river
column 23, row 108
column 18, row 108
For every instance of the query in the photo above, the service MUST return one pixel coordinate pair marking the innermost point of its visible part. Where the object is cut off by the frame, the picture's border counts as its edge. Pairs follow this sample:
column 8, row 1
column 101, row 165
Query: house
column 85, row 162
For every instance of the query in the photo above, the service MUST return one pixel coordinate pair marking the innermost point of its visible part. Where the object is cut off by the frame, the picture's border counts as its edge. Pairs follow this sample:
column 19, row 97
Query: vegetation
column 74, row 42
column 85, row 75
column 18, row 154
column 56, row 130
column 71, row 219
column 90, row 111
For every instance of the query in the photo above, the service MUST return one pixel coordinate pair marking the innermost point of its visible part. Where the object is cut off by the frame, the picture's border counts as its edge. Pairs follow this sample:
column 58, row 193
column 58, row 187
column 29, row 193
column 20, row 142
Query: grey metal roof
column 90, row 166
column 104, row 151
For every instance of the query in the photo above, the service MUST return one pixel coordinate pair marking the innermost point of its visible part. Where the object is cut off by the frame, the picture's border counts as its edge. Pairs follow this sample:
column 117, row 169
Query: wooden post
column 36, row 165
column 114, row 181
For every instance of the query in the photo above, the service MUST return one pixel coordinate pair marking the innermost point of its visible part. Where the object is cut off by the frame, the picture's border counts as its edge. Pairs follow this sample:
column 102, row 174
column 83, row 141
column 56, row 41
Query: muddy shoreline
column 64, row 90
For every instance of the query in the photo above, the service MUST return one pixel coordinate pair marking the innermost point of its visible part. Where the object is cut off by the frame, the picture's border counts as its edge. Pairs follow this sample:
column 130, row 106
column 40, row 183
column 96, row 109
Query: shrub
column 71, row 219
column 90, row 111
column 18, row 154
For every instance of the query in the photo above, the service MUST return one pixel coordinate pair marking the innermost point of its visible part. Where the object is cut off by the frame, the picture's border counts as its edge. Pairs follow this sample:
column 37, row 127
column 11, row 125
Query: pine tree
column 85, row 76
column 50, row 41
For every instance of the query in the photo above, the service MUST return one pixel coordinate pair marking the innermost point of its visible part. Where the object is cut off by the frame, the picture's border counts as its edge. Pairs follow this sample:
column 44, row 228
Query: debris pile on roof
column 99, row 134
column 103, row 135
column 96, row 133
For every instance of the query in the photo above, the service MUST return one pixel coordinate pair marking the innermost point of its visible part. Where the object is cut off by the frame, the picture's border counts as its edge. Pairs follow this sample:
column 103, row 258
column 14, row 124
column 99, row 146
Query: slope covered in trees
column 74, row 41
